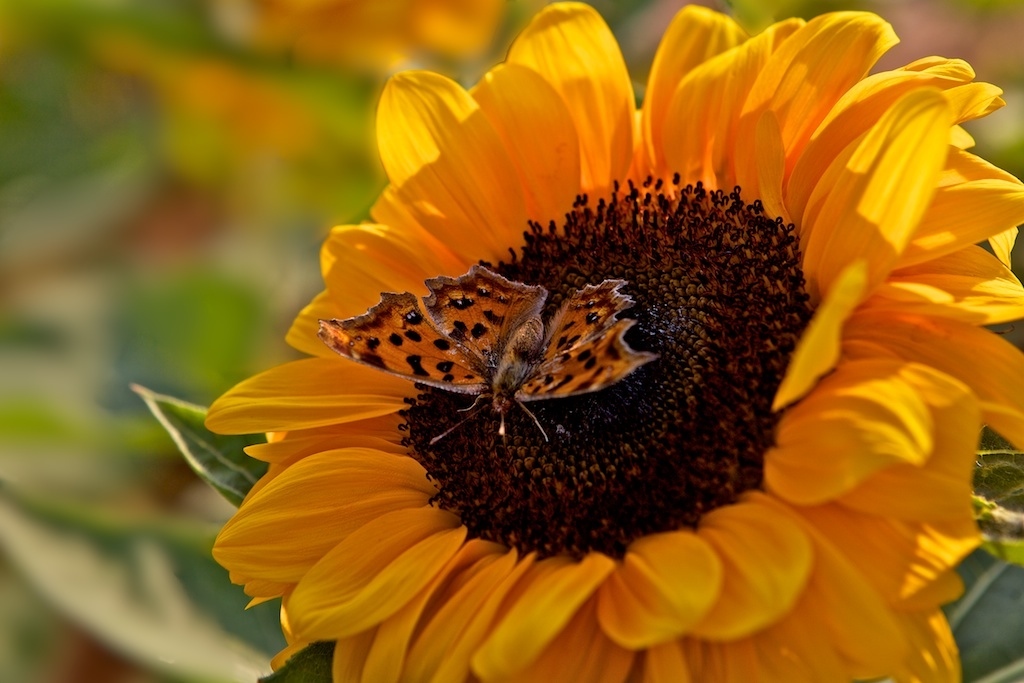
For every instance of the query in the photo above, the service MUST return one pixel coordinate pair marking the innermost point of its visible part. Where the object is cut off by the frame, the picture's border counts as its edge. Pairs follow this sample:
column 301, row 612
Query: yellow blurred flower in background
column 248, row 112
column 783, row 495
column 369, row 33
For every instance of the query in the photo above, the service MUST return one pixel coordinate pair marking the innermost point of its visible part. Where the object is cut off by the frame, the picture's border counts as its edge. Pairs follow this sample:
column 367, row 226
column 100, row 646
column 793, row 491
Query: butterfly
column 482, row 334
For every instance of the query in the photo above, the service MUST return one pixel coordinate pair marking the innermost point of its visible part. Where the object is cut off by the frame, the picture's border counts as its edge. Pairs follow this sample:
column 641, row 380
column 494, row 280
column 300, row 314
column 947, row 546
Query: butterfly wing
column 482, row 310
column 585, row 346
column 395, row 336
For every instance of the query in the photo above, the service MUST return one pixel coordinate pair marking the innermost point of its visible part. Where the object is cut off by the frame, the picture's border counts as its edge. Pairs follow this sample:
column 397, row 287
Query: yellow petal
column 956, row 69
column 941, row 488
column 855, row 112
column 933, row 655
column 969, row 285
column 302, row 335
column 766, row 560
column 350, row 656
column 818, row 349
column 795, row 648
column 946, row 587
column 771, row 166
column 333, row 494
column 872, row 207
column 443, row 648
column 962, row 166
column 581, row 652
column 960, row 138
column 555, row 590
column 860, row 419
column 695, row 35
column 709, row 100
column 902, row 560
column 862, row 626
column 964, row 214
column 362, row 261
column 570, row 45
column 373, row 572
column 519, row 103
column 1002, row 245
column 810, row 71
column 646, row 601
column 379, row 433
column 259, row 590
column 385, row 661
column 666, row 663
column 808, row 653
column 448, row 166
column 973, row 101
column 730, row 661
column 991, row 366
column 307, row 393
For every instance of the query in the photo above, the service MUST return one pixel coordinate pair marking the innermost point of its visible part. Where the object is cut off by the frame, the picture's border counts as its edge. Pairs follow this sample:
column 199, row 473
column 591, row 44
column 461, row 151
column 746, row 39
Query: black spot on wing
column 462, row 303
column 445, row 366
column 442, row 344
column 413, row 335
column 478, row 330
column 592, row 317
column 372, row 359
column 416, row 363
column 395, row 339
column 413, row 317
column 372, row 343
column 584, row 385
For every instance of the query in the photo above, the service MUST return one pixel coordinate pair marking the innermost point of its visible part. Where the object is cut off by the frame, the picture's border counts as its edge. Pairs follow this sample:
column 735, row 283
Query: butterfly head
column 502, row 403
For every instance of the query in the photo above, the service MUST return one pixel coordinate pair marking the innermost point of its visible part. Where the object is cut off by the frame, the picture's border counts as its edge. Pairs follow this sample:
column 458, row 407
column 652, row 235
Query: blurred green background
column 164, row 189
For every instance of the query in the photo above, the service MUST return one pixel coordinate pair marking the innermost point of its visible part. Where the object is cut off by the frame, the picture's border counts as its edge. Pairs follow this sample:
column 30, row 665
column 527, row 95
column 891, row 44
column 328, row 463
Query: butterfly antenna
column 458, row 424
column 528, row 412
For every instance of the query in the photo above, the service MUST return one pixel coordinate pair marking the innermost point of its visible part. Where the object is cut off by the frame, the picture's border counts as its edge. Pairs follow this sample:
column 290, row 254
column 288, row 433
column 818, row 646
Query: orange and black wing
column 396, row 337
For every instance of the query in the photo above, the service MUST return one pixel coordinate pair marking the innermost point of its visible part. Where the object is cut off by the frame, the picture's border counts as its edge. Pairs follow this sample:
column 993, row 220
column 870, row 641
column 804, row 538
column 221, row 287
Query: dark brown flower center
column 719, row 295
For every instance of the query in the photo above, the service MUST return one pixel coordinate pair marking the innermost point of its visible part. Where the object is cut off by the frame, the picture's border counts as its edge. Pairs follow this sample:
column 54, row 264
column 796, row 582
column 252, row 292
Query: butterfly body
column 482, row 334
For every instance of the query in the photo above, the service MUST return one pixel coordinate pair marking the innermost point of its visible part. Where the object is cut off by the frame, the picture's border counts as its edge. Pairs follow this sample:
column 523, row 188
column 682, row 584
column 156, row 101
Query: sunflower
column 782, row 495
column 371, row 33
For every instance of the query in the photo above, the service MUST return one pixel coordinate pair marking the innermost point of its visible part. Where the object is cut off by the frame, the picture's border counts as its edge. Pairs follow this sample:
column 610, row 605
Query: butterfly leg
column 471, row 410
column 530, row 413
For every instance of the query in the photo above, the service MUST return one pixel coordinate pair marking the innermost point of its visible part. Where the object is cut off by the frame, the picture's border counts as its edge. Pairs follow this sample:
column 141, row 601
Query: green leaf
column 309, row 665
column 999, row 497
column 219, row 460
column 202, row 329
column 147, row 588
column 988, row 621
